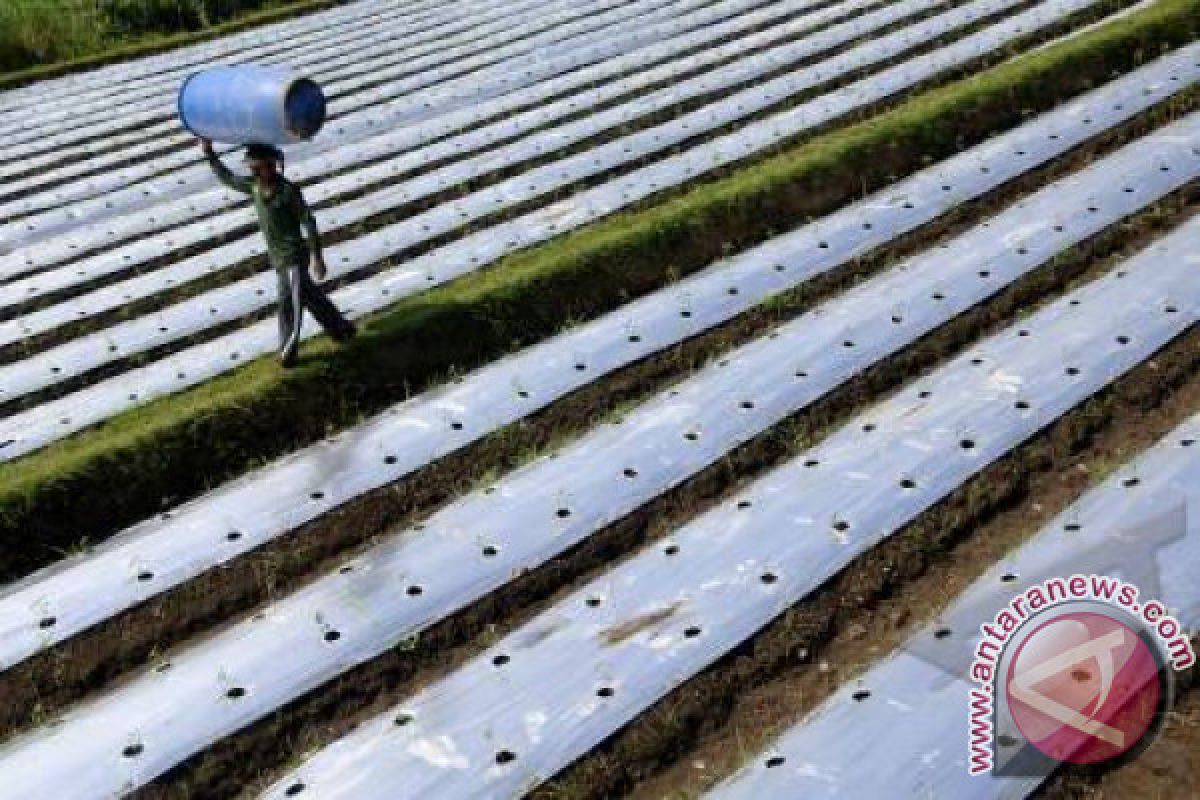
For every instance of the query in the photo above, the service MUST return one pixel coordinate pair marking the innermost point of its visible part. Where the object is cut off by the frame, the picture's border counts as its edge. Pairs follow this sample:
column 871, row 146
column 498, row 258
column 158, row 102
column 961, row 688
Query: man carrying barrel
column 282, row 215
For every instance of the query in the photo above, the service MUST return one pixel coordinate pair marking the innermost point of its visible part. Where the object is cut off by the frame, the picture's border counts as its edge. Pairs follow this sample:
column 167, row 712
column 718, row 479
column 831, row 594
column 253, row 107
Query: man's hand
column 206, row 146
column 316, row 267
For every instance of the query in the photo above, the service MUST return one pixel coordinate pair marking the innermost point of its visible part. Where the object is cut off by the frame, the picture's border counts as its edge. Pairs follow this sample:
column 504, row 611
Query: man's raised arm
column 224, row 174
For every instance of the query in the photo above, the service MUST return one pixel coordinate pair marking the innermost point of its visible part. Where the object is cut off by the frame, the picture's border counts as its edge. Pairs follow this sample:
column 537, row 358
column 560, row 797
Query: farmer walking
column 282, row 215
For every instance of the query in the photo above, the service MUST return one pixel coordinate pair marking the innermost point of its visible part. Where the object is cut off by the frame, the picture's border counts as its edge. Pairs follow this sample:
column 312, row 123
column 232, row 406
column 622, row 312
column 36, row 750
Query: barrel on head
column 248, row 103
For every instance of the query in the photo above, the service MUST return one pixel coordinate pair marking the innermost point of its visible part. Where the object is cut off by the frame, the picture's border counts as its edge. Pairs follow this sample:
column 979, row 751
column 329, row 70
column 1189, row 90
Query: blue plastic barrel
column 245, row 104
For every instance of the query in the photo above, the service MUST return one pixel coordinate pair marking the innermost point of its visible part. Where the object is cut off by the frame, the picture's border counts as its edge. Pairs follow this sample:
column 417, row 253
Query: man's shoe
column 346, row 334
column 288, row 360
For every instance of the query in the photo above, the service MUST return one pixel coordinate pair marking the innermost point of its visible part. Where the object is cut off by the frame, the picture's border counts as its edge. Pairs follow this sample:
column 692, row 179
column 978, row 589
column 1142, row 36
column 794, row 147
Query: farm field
column 723, row 365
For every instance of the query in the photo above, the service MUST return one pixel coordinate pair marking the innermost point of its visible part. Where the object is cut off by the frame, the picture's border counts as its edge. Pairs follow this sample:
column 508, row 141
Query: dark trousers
column 297, row 294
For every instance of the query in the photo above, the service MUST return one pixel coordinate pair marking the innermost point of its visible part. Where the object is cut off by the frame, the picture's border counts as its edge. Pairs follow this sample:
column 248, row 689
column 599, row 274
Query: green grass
column 179, row 445
column 47, row 38
column 34, row 32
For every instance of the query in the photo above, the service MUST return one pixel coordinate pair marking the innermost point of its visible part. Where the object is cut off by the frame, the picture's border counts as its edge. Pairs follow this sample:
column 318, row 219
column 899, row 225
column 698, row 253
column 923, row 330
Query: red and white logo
column 1083, row 687
column 1076, row 670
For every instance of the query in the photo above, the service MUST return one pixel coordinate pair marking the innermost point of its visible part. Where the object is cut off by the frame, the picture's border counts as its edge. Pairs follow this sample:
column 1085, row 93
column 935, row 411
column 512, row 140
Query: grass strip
column 84, row 487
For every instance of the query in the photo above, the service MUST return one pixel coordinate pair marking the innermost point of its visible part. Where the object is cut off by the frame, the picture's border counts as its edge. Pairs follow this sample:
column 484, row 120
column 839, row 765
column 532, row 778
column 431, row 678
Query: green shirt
column 282, row 215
